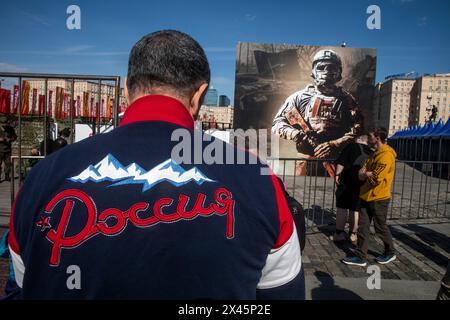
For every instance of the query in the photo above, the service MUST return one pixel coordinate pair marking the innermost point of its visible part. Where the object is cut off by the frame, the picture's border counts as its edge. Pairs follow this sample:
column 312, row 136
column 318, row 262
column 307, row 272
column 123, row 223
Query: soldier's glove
column 324, row 150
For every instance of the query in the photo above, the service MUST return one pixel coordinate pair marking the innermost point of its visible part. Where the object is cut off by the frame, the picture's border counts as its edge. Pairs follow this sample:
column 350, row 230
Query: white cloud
column 36, row 18
column 78, row 48
column 8, row 67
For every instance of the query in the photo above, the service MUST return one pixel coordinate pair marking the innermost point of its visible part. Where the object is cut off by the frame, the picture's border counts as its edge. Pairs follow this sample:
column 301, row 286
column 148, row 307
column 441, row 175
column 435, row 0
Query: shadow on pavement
column 328, row 290
column 426, row 250
column 429, row 236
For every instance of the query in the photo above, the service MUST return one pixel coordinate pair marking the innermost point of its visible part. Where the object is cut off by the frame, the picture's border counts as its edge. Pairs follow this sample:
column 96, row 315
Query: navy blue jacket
column 116, row 217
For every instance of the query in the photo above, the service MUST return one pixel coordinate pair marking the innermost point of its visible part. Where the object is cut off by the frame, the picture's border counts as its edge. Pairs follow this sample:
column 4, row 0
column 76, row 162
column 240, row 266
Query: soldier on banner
column 322, row 118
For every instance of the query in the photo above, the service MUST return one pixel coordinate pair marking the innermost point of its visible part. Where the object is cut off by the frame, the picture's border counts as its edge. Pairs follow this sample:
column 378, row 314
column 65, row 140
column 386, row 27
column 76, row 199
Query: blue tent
column 429, row 130
column 444, row 131
column 438, row 127
column 411, row 131
column 420, row 132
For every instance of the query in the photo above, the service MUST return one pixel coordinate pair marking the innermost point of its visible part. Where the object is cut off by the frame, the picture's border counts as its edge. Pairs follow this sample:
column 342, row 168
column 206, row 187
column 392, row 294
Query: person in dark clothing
column 62, row 139
column 7, row 137
column 349, row 162
column 51, row 146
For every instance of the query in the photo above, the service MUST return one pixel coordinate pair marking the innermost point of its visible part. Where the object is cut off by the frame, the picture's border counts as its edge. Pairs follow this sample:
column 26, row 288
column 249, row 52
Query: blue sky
column 413, row 37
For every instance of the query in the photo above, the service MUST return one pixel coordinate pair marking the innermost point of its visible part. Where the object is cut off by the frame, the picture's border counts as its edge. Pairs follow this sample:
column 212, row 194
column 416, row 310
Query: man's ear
column 196, row 100
column 125, row 91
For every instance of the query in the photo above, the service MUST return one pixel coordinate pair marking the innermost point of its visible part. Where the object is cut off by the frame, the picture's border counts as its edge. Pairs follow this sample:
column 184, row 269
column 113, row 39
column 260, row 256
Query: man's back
column 134, row 223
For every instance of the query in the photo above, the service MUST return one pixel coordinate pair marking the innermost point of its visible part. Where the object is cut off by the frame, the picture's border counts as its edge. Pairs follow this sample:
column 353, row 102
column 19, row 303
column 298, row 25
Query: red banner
column 41, row 104
column 25, row 107
column 78, row 106
column 66, row 106
column 108, row 108
column 5, row 101
column 85, row 112
column 92, row 109
column 34, row 110
column 74, row 108
column 102, row 109
column 50, row 103
column 15, row 98
column 58, row 102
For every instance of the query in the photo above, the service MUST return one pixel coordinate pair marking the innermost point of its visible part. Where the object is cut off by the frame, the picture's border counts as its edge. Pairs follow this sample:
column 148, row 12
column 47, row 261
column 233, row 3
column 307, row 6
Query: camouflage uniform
column 338, row 119
column 331, row 114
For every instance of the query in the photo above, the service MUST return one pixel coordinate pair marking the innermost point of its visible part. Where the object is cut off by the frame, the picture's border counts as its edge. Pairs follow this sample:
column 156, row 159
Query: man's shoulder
column 306, row 92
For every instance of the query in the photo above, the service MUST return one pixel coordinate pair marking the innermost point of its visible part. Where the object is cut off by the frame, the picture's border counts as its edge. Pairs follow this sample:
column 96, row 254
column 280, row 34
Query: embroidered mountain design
column 110, row 169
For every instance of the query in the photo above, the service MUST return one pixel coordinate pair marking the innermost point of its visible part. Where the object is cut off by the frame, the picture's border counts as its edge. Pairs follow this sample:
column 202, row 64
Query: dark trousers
column 376, row 211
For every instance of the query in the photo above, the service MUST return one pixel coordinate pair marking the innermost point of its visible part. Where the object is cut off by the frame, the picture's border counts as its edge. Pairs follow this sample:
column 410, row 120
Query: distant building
column 224, row 101
column 223, row 116
column 401, row 102
column 211, row 97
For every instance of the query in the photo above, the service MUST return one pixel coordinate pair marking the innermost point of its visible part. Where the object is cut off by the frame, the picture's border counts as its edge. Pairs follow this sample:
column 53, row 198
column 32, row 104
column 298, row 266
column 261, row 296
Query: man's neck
column 378, row 145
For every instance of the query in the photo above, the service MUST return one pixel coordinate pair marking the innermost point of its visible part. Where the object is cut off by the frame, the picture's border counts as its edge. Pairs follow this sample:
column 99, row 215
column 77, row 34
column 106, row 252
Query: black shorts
column 347, row 197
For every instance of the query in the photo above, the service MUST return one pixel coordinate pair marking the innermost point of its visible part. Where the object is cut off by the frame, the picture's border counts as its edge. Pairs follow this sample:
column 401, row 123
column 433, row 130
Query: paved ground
column 423, row 250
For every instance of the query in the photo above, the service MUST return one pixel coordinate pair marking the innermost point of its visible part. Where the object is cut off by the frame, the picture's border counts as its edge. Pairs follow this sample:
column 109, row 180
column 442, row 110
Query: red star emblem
column 44, row 223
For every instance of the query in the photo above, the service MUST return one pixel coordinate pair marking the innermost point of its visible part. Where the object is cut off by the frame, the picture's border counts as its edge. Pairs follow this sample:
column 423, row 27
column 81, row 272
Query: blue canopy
column 443, row 131
column 411, row 132
column 420, row 132
column 425, row 131
column 438, row 127
column 429, row 130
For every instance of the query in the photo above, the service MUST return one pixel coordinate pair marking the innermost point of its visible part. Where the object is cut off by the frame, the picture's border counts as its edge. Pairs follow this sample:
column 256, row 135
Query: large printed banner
column 316, row 99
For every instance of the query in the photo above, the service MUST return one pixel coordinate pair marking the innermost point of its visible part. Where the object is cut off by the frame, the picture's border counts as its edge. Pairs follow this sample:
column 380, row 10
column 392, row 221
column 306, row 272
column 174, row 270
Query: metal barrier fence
column 420, row 189
column 207, row 125
column 45, row 119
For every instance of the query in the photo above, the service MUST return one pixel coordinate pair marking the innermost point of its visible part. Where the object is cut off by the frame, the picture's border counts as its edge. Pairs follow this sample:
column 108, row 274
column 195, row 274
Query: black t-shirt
column 352, row 158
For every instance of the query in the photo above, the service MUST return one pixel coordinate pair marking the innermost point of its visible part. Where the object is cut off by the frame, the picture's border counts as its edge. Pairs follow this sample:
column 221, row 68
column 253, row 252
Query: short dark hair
column 380, row 132
column 167, row 59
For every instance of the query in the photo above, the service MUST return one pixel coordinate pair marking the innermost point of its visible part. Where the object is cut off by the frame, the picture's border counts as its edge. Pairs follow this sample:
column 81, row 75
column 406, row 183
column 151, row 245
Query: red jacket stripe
column 284, row 215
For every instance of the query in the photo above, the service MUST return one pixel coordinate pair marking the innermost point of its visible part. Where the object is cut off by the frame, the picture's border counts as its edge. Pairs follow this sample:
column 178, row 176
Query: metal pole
column 439, row 188
column 412, row 187
column 116, row 104
column 99, row 96
column 45, row 117
column 295, row 166
column 19, row 107
column 420, row 190
column 72, row 120
column 403, row 188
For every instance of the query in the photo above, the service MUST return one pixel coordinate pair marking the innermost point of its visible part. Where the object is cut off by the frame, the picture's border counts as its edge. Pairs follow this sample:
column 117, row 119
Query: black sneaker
column 354, row 261
column 385, row 258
